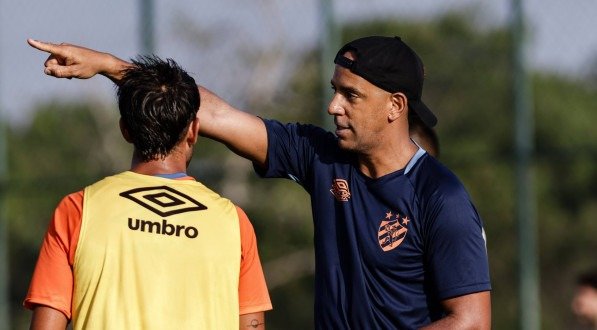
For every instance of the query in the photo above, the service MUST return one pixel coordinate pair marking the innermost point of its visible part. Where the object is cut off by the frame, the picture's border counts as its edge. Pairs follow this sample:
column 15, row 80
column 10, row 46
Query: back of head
column 423, row 135
column 157, row 101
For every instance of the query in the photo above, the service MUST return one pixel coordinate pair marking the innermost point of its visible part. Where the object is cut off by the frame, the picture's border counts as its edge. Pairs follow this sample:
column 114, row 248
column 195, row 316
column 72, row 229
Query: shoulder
column 247, row 232
column 432, row 180
column 313, row 133
column 306, row 137
column 243, row 219
column 67, row 215
column 71, row 203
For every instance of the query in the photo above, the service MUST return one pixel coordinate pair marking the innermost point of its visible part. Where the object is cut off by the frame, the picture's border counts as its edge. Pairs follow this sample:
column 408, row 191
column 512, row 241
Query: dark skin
column 370, row 122
column 47, row 318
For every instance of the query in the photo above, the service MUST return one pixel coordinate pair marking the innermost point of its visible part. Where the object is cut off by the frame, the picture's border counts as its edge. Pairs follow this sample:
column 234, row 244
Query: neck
column 173, row 163
column 389, row 157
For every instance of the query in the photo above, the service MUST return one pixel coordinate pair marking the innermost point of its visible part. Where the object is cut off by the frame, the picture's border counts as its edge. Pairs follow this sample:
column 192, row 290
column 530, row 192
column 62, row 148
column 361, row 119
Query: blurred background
column 513, row 84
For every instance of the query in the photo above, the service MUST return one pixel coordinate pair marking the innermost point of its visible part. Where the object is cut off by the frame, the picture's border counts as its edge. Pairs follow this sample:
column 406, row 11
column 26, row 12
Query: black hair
column 157, row 101
column 588, row 278
column 416, row 126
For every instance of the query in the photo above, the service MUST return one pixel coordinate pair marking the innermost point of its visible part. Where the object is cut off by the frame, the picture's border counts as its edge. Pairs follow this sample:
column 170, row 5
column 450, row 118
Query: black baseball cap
column 390, row 64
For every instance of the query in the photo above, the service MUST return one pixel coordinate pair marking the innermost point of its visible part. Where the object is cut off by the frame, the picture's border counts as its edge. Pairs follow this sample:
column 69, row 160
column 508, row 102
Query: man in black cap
column 398, row 243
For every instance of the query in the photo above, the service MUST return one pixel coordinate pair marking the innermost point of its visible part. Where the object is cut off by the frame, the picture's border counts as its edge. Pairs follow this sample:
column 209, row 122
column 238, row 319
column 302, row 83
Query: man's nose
column 334, row 108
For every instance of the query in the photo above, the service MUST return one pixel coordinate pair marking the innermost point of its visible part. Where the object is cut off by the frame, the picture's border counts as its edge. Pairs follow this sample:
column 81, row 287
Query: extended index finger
column 44, row 46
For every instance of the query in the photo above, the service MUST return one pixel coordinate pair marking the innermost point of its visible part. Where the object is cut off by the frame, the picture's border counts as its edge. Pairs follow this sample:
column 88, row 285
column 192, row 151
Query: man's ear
column 193, row 131
column 124, row 130
column 399, row 106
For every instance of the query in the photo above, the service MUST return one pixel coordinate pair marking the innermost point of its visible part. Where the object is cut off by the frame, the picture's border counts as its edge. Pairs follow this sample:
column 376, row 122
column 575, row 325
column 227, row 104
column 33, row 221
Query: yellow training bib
column 156, row 253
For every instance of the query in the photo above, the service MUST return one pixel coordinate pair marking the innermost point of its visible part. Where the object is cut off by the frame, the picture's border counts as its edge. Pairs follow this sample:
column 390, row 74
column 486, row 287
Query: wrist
column 113, row 67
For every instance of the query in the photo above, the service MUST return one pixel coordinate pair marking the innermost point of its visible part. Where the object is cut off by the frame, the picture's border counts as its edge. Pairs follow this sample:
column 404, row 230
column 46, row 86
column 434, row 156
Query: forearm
column 113, row 67
column 471, row 311
column 241, row 132
column 252, row 321
column 452, row 322
column 47, row 318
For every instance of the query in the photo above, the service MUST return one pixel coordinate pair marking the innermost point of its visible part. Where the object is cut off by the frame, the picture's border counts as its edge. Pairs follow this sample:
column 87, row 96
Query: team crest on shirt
column 392, row 230
column 340, row 190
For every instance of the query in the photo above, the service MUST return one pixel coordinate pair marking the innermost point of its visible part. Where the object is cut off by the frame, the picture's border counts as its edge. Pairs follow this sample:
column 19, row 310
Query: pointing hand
column 71, row 61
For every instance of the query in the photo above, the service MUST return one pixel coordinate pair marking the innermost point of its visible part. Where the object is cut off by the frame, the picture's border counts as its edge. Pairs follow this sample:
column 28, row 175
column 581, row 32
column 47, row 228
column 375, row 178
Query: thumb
column 60, row 71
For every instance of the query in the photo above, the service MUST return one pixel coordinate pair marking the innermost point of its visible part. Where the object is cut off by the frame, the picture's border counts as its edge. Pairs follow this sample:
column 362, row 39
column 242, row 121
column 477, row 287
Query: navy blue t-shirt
column 387, row 250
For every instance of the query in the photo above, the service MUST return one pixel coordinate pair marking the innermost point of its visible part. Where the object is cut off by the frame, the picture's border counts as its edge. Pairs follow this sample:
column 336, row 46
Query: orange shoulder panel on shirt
column 52, row 281
column 252, row 291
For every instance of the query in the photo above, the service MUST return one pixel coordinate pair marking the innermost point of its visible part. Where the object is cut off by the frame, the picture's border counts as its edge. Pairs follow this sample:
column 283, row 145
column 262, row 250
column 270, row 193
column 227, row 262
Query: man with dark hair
column 584, row 303
column 398, row 242
column 150, row 248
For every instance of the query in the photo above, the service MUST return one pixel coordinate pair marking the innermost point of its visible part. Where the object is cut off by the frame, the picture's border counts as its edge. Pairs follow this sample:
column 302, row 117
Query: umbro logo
column 340, row 190
column 163, row 200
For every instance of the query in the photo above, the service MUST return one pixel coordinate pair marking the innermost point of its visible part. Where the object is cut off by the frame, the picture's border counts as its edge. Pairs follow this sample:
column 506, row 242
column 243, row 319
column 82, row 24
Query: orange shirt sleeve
column 252, row 291
column 52, row 281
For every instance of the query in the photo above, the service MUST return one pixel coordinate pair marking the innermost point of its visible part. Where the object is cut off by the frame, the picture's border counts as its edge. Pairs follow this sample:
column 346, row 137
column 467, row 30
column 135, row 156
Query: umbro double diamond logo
column 163, row 200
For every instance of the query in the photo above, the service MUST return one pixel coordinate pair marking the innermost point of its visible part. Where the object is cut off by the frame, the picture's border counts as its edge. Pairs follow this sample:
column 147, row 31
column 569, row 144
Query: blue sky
column 562, row 38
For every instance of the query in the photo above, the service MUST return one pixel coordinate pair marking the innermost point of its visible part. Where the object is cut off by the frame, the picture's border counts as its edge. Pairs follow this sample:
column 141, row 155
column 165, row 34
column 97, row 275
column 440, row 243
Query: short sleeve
column 292, row 149
column 456, row 254
column 252, row 290
column 52, row 281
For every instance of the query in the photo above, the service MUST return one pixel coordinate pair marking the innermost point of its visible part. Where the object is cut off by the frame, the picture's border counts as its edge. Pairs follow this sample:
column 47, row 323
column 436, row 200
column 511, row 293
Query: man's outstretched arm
column 243, row 133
